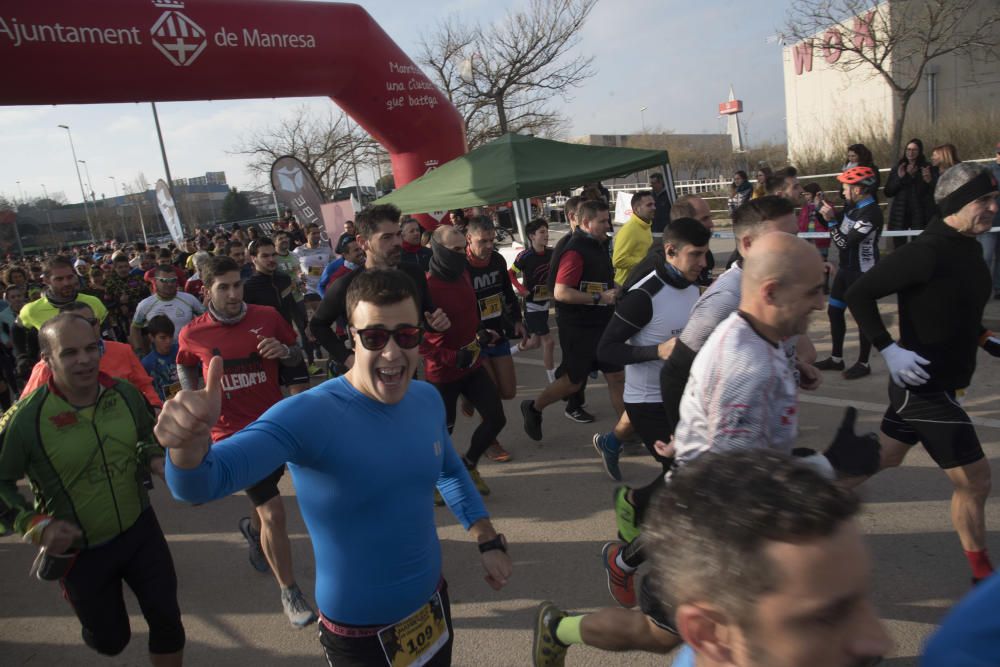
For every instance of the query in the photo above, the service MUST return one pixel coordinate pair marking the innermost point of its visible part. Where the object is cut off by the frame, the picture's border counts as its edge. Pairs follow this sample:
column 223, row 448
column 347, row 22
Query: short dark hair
column 656, row 176
column 480, row 223
column 58, row 262
column 535, row 225
column 776, row 182
column 165, row 268
column 381, row 287
column 638, row 197
column 233, row 244
column 343, row 242
column 165, row 253
column 218, row 265
column 569, row 208
column 402, row 223
column 367, row 221
column 686, row 231
column 756, row 212
column 589, row 209
column 254, row 246
column 712, row 523
column 160, row 324
column 11, row 271
column 76, row 306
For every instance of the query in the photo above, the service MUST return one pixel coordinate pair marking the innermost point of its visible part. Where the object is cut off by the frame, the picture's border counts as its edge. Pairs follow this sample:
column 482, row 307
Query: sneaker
column 477, row 479
column 257, row 558
column 298, row 611
column 580, row 416
column 316, row 370
column 532, row 420
column 829, row 364
column 546, row 650
column 621, row 584
column 608, row 455
column 628, row 528
column 497, row 453
column 858, row 370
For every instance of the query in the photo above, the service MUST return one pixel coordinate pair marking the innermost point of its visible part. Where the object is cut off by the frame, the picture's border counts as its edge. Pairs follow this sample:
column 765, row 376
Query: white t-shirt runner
column 181, row 309
column 312, row 261
column 742, row 394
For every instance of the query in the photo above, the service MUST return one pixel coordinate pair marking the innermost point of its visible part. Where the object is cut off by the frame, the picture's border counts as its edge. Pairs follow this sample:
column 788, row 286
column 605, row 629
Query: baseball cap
column 79, row 262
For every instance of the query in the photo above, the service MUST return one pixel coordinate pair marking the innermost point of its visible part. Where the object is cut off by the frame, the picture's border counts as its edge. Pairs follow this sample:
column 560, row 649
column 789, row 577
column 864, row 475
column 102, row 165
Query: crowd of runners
column 207, row 365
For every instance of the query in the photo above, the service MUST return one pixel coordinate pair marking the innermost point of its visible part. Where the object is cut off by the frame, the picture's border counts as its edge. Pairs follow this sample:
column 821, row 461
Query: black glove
column 853, row 455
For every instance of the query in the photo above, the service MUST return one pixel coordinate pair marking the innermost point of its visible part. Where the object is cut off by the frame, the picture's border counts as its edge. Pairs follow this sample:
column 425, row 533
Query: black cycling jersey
column 498, row 306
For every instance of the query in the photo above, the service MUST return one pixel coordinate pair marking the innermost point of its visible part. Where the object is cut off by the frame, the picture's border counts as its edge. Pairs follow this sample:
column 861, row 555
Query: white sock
column 551, row 375
column 836, row 360
column 515, row 348
column 621, row 563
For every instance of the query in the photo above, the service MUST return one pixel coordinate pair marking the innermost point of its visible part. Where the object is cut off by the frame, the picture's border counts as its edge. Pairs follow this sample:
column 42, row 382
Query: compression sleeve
column 673, row 380
column 235, row 463
column 912, row 264
column 632, row 312
column 332, row 308
column 456, row 486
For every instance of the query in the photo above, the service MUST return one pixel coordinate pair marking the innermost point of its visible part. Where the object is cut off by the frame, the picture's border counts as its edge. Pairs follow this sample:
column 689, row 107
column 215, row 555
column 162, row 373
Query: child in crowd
column 161, row 362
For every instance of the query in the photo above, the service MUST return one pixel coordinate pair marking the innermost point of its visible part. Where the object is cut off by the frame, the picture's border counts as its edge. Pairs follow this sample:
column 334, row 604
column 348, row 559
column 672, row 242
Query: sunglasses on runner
column 407, row 337
column 166, row 280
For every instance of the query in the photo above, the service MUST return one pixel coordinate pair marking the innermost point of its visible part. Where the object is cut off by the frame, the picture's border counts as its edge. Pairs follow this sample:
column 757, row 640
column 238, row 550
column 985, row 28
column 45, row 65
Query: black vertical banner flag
column 296, row 188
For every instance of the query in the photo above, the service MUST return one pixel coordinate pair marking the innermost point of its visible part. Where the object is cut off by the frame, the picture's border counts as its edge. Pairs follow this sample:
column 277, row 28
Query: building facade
column 825, row 103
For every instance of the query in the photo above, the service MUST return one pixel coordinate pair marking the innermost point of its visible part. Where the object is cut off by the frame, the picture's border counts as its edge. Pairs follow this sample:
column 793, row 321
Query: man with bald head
column 742, row 391
column 100, row 530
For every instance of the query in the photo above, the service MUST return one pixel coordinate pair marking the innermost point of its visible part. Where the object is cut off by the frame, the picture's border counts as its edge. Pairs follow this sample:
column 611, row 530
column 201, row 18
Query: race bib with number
column 316, row 271
column 591, row 287
column 490, row 306
column 541, row 293
column 171, row 390
column 417, row 638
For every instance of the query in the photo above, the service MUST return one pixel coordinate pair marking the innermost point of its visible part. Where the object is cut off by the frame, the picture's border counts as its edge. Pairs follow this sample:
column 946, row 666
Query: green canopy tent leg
column 522, row 215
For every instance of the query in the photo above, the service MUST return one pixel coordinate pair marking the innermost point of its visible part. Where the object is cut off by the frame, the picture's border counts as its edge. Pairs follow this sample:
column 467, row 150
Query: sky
column 677, row 58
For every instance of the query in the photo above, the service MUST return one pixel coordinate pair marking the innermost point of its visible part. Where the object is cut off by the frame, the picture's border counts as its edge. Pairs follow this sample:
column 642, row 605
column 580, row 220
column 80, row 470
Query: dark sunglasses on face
column 166, row 280
column 407, row 337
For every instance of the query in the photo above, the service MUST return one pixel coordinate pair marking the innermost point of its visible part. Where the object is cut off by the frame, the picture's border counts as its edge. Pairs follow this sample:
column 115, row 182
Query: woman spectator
column 810, row 220
column 858, row 155
column 760, row 188
column 739, row 191
column 911, row 186
column 944, row 157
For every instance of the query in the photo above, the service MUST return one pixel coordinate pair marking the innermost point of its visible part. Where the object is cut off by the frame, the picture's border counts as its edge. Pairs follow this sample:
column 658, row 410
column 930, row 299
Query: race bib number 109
column 417, row 638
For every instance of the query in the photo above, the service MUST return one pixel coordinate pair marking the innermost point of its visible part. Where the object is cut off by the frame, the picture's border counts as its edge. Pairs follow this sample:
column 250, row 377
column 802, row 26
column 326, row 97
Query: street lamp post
column 642, row 123
column 121, row 211
column 20, row 192
column 79, row 178
column 48, row 216
column 93, row 199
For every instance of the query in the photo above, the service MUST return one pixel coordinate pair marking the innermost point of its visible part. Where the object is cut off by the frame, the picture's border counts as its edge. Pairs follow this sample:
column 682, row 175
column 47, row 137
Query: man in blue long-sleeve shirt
column 365, row 489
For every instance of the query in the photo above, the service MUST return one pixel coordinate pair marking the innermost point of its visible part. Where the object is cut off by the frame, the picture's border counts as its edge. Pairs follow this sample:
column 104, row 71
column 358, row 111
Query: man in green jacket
column 635, row 238
column 85, row 442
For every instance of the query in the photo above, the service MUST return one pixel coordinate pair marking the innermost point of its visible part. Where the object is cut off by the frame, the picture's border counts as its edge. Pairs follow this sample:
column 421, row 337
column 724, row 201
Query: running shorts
column 937, row 421
column 579, row 353
column 656, row 610
column 266, row 488
column 501, row 349
column 537, row 321
column 292, row 375
column 360, row 647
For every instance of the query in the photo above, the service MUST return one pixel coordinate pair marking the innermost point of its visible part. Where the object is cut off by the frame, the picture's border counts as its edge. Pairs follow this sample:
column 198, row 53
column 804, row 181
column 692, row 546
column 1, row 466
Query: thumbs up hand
column 185, row 425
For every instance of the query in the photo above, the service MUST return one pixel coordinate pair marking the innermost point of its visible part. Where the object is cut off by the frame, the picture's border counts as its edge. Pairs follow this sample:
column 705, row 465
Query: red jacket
column 458, row 300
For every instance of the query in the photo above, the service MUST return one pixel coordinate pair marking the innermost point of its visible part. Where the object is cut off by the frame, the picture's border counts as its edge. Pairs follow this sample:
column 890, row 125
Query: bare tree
column 330, row 145
column 895, row 40
column 502, row 76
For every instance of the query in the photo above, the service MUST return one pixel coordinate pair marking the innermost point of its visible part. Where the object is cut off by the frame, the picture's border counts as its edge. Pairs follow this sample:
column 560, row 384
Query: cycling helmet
column 858, row 176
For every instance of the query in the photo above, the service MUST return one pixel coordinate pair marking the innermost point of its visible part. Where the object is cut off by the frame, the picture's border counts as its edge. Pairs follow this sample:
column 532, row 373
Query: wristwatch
column 597, row 298
column 498, row 542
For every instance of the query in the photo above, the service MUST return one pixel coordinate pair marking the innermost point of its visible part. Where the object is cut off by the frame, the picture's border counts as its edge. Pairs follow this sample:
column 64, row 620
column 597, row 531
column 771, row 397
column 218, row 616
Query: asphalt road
column 554, row 504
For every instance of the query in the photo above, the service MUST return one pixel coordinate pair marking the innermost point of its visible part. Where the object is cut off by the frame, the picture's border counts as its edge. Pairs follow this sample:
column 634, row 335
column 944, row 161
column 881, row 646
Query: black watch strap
column 498, row 542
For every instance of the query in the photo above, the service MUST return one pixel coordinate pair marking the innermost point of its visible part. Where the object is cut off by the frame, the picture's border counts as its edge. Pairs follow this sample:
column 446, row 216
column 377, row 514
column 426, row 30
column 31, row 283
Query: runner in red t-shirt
column 252, row 341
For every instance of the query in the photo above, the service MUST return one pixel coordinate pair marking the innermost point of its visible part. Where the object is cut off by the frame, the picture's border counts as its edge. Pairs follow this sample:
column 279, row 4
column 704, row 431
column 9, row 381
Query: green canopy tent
column 515, row 167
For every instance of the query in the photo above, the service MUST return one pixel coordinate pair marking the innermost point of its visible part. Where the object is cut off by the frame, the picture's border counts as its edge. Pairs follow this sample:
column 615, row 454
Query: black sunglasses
column 407, row 337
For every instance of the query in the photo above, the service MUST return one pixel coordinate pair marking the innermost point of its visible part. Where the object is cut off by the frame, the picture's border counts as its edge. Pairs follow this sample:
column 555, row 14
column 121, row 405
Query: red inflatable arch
column 70, row 52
